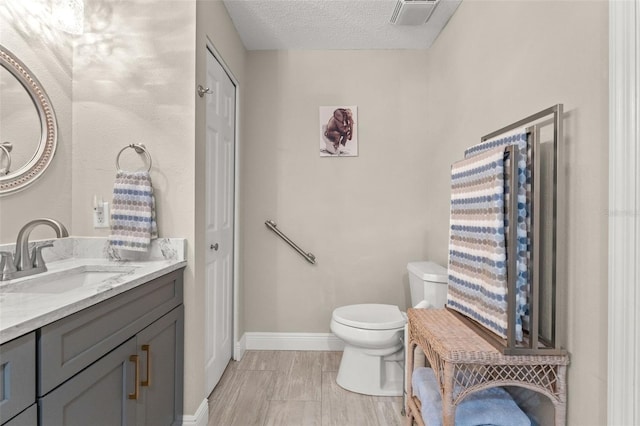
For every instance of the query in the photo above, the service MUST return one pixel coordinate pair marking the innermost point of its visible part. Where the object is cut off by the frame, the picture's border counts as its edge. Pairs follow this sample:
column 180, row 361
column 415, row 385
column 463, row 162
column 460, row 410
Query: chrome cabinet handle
column 134, row 359
column 147, row 349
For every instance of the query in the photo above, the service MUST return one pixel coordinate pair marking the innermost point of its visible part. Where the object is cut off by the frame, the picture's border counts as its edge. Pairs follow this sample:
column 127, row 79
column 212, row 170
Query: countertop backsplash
column 99, row 248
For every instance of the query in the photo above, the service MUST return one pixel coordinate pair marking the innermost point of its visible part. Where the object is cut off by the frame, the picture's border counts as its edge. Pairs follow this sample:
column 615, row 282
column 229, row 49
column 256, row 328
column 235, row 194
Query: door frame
column 237, row 351
column 624, row 216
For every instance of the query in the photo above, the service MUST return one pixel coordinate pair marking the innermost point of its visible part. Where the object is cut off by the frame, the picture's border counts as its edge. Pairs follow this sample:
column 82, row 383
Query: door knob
column 214, row 246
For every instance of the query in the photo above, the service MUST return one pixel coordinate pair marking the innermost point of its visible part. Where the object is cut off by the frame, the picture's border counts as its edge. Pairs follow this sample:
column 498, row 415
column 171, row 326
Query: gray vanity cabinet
column 138, row 383
column 118, row 362
column 18, row 379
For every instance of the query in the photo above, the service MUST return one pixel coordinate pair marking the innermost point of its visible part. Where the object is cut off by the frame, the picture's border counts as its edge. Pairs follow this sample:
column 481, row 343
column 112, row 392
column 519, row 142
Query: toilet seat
column 370, row 316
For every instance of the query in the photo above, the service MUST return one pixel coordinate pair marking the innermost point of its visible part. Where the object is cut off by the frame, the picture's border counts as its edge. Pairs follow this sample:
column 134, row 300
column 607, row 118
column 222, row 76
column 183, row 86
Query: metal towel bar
column 546, row 276
column 309, row 257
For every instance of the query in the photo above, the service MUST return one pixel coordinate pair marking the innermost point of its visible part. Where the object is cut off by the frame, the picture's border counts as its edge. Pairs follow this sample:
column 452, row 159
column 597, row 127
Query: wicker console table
column 463, row 363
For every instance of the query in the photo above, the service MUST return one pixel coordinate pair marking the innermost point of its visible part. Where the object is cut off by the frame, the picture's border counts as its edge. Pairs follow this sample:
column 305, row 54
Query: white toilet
column 372, row 362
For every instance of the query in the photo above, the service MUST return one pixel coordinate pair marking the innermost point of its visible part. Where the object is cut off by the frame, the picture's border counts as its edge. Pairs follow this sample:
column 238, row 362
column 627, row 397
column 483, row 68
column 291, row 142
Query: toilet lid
column 370, row 316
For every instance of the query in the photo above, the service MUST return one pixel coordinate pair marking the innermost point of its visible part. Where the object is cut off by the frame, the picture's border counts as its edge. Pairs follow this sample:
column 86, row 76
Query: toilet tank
column 428, row 282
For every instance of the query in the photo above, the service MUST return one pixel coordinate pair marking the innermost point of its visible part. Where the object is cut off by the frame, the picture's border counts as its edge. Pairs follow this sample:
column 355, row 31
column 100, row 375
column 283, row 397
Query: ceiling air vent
column 413, row 12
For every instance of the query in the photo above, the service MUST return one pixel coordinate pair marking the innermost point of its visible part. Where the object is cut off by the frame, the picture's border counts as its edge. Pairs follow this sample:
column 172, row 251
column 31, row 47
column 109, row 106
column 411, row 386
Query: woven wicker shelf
column 464, row 362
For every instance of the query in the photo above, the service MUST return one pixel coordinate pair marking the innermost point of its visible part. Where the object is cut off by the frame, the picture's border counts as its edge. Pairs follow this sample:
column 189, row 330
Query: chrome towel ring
column 140, row 149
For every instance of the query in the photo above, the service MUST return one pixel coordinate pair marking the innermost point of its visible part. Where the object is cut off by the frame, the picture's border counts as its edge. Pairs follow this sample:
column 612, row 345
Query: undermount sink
column 86, row 276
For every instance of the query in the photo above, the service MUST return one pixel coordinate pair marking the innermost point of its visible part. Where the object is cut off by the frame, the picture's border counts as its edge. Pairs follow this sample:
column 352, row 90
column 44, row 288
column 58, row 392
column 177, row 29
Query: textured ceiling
column 331, row 24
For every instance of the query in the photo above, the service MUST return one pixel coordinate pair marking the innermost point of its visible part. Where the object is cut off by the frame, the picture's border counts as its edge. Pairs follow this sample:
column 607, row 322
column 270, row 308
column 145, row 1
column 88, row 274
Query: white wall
column 26, row 30
column 363, row 217
column 497, row 62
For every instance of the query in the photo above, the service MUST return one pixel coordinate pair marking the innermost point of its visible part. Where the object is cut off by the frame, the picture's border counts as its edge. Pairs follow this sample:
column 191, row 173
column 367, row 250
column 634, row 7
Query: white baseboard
column 293, row 341
column 240, row 348
column 200, row 418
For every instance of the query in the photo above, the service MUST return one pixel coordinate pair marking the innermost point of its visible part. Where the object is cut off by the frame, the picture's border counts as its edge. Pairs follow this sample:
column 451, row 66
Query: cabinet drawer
column 71, row 344
column 17, row 375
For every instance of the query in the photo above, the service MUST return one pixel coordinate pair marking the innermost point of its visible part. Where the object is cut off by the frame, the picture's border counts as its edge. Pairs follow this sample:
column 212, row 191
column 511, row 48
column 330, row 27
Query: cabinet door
column 28, row 417
column 98, row 395
column 17, row 376
column 160, row 347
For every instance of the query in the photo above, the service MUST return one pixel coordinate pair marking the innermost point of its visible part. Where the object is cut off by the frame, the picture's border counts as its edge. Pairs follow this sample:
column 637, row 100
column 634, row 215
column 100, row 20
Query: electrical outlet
column 100, row 213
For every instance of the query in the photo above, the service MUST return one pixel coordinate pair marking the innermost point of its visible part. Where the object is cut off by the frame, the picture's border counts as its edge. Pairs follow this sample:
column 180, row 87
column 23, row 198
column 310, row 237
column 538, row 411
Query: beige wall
column 363, row 217
column 130, row 78
column 26, row 30
column 134, row 82
column 497, row 62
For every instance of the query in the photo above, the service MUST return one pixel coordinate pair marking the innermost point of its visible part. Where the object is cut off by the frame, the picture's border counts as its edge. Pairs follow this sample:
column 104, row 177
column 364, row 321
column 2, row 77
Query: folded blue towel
column 493, row 406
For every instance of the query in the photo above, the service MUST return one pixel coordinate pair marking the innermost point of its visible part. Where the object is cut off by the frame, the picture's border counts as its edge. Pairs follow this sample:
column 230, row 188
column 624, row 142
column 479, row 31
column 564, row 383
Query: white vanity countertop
column 22, row 311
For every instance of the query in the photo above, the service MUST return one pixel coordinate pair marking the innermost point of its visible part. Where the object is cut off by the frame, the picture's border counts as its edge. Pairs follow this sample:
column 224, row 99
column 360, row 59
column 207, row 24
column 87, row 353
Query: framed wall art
column 338, row 131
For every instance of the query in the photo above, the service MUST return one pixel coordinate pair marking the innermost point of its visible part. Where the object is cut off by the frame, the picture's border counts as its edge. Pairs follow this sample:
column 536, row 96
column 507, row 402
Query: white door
column 220, row 160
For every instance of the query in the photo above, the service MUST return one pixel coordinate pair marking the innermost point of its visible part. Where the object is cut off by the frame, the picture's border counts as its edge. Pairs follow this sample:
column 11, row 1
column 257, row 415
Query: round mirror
column 28, row 128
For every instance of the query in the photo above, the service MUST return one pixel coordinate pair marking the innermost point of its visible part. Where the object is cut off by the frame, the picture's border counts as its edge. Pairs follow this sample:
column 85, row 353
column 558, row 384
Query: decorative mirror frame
column 28, row 173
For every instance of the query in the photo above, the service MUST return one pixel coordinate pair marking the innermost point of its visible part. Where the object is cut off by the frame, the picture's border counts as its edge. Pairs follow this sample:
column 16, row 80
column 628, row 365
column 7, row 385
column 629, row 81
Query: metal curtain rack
column 309, row 257
column 546, row 271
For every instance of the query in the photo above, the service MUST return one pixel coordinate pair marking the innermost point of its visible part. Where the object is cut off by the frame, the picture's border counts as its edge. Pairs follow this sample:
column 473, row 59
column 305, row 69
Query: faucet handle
column 6, row 263
column 36, row 255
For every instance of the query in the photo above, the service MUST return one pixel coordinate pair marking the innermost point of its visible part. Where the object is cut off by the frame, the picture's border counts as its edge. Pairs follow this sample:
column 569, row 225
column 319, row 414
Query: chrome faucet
column 23, row 264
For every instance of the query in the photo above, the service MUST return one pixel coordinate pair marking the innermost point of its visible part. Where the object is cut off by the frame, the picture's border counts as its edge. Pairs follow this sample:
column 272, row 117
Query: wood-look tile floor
column 296, row 388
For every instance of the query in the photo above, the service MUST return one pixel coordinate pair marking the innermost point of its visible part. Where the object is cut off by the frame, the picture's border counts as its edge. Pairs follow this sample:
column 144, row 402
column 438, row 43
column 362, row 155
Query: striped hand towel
column 477, row 255
column 133, row 217
column 518, row 138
